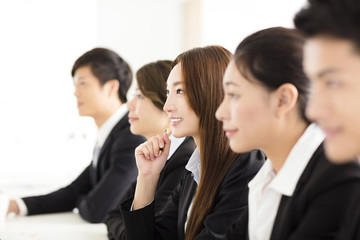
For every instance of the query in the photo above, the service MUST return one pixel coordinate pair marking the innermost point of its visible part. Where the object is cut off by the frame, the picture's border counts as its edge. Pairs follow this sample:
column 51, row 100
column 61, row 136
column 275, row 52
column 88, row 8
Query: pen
column 161, row 149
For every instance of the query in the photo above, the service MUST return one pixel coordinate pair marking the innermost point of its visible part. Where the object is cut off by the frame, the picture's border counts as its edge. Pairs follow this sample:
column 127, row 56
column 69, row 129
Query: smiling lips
column 175, row 121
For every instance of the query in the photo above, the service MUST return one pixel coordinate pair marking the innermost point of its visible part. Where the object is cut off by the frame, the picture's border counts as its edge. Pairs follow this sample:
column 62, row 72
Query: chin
column 337, row 155
column 177, row 134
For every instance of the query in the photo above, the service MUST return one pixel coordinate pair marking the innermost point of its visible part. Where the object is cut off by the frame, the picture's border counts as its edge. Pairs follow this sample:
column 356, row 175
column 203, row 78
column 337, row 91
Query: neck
column 282, row 144
column 197, row 141
column 101, row 118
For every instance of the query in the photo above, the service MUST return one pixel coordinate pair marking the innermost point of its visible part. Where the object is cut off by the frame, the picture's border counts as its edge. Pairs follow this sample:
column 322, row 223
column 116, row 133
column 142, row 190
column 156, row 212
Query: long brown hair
column 202, row 73
column 151, row 79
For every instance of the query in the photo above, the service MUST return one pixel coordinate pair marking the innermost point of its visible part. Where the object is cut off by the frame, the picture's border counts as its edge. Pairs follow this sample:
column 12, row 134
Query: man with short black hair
column 102, row 79
column 332, row 62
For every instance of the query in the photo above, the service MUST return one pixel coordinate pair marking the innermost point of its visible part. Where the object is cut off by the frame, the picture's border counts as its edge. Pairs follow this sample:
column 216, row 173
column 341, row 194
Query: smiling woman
column 213, row 190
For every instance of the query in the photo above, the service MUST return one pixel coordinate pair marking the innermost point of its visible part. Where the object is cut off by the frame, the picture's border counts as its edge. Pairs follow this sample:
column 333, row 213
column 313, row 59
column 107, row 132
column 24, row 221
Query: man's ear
column 286, row 98
column 112, row 87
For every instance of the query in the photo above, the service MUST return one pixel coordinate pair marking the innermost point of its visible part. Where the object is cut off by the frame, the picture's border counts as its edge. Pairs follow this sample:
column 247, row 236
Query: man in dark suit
column 332, row 62
column 102, row 79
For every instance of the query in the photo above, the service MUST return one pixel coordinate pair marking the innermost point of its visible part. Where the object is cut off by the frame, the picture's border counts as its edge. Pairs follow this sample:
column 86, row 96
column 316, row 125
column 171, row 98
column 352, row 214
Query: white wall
column 42, row 139
column 228, row 22
column 41, row 133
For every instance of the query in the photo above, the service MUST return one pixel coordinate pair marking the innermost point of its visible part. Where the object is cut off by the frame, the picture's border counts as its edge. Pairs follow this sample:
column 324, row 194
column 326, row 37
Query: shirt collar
column 106, row 128
column 286, row 179
column 175, row 143
column 194, row 165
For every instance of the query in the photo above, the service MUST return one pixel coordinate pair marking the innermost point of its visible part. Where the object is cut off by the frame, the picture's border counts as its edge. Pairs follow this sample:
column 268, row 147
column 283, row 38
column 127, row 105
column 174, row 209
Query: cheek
column 242, row 116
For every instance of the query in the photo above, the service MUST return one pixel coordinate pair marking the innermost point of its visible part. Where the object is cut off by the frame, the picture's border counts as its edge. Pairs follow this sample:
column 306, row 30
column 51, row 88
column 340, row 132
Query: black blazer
column 97, row 190
column 229, row 202
column 351, row 226
column 168, row 180
column 316, row 209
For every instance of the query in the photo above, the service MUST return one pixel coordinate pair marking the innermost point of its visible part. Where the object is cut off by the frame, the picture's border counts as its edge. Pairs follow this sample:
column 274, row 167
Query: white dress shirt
column 267, row 187
column 194, row 166
column 105, row 130
column 103, row 133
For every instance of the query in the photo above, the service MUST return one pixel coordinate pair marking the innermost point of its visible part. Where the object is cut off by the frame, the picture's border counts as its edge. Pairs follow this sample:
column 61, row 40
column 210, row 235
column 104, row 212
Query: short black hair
column 335, row 18
column 107, row 65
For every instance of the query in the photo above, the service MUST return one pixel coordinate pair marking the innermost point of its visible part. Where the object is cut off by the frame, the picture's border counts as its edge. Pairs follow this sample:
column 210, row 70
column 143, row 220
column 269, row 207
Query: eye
column 232, row 95
column 179, row 91
column 139, row 96
column 332, row 83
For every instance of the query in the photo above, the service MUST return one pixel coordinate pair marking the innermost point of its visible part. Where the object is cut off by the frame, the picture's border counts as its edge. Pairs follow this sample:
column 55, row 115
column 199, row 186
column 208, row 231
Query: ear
column 112, row 87
column 285, row 98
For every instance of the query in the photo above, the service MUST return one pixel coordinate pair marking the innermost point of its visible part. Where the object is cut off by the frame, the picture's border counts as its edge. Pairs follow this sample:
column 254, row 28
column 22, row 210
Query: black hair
column 274, row 57
column 107, row 65
column 336, row 18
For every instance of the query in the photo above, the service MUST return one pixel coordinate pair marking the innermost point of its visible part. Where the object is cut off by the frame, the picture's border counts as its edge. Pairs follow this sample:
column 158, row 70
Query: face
column 184, row 121
column 333, row 67
column 145, row 118
column 92, row 98
column 245, row 111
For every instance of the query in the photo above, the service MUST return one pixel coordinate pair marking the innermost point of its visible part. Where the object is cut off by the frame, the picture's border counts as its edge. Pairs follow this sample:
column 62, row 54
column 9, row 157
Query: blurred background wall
column 43, row 142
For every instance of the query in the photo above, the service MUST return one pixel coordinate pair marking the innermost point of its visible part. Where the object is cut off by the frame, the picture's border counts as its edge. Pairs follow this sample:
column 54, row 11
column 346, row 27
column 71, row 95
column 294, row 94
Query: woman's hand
column 150, row 161
column 151, row 156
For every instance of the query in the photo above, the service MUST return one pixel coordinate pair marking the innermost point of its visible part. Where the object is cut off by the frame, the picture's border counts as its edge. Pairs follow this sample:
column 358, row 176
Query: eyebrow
column 230, row 83
column 326, row 72
column 175, row 83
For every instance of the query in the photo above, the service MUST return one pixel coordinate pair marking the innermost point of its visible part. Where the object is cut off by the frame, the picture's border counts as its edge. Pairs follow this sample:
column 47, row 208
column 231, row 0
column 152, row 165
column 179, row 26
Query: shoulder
column 321, row 169
column 322, row 175
column 246, row 164
column 182, row 154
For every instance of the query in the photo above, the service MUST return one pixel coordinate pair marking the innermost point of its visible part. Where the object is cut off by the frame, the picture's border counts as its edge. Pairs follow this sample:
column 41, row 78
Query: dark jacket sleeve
column 94, row 199
column 169, row 179
column 232, row 199
column 230, row 202
column 239, row 230
column 140, row 224
column 114, row 183
column 319, row 210
column 114, row 222
column 61, row 200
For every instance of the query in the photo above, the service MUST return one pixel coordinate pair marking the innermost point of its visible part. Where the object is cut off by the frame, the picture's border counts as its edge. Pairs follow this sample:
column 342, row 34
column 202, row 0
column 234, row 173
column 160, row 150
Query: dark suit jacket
column 229, row 202
column 168, row 180
column 97, row 190
column 351, row 226
column 316, row 209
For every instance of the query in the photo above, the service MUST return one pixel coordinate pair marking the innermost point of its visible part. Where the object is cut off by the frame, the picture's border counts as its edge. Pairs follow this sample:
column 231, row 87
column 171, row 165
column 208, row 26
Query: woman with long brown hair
column 213, row 192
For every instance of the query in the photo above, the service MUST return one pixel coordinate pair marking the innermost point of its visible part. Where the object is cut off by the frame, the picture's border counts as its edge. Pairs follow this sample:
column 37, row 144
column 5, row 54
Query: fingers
column 152, row 148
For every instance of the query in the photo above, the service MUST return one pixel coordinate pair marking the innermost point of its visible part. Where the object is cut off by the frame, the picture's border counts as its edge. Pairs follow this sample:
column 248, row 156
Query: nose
column 221, row 113
column 76, row 92
column 169, row 104
column 130, row 104
column 316, row 108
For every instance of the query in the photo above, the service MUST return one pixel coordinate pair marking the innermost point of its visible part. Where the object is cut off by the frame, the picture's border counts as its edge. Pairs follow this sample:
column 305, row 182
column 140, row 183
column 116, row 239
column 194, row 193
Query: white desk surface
column 51, row 227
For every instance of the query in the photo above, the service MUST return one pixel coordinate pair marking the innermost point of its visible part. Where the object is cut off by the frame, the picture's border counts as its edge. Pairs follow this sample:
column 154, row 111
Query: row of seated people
column 259, row 144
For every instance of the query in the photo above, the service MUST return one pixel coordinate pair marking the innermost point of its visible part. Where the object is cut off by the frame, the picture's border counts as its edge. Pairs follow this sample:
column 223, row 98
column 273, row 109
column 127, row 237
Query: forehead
column 83, row 72
column 233, row 77
column 323, row 52
column 175, row 77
